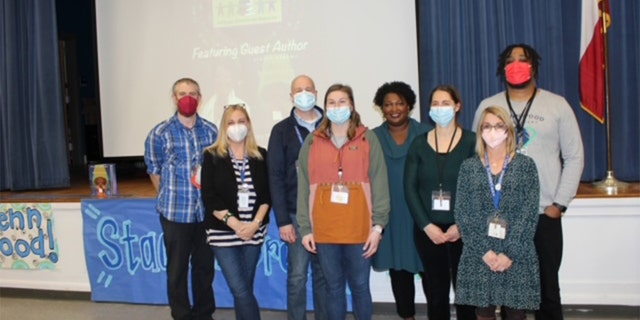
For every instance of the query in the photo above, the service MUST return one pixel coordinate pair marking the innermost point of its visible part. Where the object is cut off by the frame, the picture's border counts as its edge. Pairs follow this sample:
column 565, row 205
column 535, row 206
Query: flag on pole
column 592, row 59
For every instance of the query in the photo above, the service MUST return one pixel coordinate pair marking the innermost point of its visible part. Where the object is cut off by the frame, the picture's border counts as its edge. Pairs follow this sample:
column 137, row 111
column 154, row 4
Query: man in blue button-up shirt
column 173, row 155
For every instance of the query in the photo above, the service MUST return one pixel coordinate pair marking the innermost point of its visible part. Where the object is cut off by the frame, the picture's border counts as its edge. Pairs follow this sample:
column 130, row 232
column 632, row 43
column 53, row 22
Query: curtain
column 32, row 128
column 459, row 42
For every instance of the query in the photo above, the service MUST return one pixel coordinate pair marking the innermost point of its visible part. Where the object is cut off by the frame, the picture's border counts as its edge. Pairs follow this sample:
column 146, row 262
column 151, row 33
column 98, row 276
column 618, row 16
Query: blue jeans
column 344, row 263
column 297, row 270
column 238, row 266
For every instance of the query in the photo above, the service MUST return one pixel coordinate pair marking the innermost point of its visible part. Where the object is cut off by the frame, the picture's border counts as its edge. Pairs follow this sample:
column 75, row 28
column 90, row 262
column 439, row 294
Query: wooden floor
column 139, row 186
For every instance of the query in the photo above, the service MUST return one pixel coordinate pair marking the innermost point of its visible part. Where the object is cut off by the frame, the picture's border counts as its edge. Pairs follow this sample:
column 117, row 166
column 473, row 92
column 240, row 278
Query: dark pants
column 404, row 291
column 441, row 270
column 186, row 242
column 548, row 241
column 506, row 313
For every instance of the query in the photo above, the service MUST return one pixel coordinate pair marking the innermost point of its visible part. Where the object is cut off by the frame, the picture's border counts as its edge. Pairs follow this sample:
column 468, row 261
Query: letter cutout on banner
column 126, row 259
column 27, row 236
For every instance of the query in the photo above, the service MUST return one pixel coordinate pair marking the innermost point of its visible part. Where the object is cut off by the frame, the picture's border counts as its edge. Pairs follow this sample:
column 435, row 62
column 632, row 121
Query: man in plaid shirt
column 173, row 155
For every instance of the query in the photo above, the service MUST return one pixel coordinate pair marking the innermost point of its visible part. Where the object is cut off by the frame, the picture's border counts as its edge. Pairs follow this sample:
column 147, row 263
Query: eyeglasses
column 498, row 127
column 237, row 105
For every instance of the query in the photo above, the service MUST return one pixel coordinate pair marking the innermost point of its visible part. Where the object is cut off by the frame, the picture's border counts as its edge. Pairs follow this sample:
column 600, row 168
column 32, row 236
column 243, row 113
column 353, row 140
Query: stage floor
column 137, row 187
column 140, row 186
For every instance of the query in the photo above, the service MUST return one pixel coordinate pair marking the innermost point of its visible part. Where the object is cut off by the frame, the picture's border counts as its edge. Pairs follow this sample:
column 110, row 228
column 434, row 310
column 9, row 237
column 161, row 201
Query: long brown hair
column 354, row 120
column 221, row 146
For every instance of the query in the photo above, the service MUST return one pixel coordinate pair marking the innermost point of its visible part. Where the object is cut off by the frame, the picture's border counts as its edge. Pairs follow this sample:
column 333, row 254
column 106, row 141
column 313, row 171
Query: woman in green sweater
column 430, row 180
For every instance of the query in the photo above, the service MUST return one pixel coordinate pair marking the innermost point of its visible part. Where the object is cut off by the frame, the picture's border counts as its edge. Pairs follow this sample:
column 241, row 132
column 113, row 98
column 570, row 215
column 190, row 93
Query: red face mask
column 517, row 72
column 187, row 106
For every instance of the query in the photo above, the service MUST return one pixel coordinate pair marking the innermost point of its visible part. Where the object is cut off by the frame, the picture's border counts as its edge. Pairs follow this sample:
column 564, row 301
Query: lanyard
column 444, row 156
column 340, row 171
column 339, row 155
column 299, row 134
column 241, row 169
column 522, row 119
column 496, row 189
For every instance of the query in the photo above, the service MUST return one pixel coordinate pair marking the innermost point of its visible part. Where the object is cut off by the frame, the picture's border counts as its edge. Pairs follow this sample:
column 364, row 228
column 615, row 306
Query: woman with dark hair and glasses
column 235, row 192
column 497, row 214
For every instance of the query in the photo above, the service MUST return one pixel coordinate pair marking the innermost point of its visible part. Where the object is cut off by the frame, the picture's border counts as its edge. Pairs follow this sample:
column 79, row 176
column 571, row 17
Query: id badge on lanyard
column 340, row 192
column 497, row 227
column 441, row 200
column 243, row 198
column 522, row 139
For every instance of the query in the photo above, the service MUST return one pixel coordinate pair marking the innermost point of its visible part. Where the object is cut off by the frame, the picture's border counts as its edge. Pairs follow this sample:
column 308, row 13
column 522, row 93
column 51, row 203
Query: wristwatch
column 378, row 228
column 226, row 217
column 562, row 208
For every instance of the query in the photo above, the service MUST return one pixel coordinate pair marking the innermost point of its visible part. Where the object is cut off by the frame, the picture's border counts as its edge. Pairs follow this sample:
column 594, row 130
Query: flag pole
column 610, row 185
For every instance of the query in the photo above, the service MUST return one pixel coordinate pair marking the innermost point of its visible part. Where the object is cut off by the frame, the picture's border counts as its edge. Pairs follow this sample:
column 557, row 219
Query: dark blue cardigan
column 284, row 147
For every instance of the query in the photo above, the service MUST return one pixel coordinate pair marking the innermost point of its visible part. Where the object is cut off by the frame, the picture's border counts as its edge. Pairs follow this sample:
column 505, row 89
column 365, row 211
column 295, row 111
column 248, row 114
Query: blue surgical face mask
column 339, row 115
column 304, row 100
column 442, row 115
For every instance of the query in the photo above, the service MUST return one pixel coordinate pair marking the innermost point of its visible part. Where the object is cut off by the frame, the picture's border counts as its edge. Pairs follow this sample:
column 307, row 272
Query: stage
column 139, row 186
column 600, row 262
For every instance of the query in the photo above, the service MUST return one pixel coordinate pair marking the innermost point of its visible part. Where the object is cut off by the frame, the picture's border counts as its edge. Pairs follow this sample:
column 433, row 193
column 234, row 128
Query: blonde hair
column 221, row 146
column 354, row 120
column 505, row 117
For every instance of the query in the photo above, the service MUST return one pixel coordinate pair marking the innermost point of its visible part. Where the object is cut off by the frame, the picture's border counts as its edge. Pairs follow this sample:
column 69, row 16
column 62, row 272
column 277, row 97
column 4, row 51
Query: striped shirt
column 225, row 238
column 174, row 152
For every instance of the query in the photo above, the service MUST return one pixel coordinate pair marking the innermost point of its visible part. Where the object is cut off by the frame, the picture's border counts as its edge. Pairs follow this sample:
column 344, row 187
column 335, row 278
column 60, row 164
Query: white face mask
column 493, row 137
column 237, row 132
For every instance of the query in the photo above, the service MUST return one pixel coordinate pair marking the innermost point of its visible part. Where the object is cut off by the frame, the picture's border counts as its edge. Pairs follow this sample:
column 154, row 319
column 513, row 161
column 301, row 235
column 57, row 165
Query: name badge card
column 441, row 200
column 497, row 228
column 243, row 199
column 339, row 194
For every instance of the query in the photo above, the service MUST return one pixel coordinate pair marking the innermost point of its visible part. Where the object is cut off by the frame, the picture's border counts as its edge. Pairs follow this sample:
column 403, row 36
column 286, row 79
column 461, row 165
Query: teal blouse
column 397, row 250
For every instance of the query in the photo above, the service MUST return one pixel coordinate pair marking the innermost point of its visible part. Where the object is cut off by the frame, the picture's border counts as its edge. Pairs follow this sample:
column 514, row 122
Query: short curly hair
column 529, row 52
column 400, row 88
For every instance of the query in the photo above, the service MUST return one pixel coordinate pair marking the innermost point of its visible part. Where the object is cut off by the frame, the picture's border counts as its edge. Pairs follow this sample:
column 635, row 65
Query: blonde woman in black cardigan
column 235, row 192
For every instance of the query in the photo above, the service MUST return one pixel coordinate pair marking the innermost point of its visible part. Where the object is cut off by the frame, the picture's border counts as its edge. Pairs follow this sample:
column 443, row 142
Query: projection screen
column 243, row 51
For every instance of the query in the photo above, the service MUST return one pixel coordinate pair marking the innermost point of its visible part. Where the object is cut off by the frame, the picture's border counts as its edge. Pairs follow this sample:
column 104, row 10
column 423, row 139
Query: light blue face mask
column 304, row 100
column 442, row 115
column 339, row 115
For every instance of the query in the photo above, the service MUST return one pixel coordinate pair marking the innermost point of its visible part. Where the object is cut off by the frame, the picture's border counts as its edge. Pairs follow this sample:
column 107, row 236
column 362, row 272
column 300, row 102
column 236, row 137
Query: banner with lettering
column 27, row 239
column 126, row 258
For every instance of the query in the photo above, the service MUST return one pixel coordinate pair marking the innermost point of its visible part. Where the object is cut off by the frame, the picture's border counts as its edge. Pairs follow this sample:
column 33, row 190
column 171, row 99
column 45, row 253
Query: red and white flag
column 592, row 59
